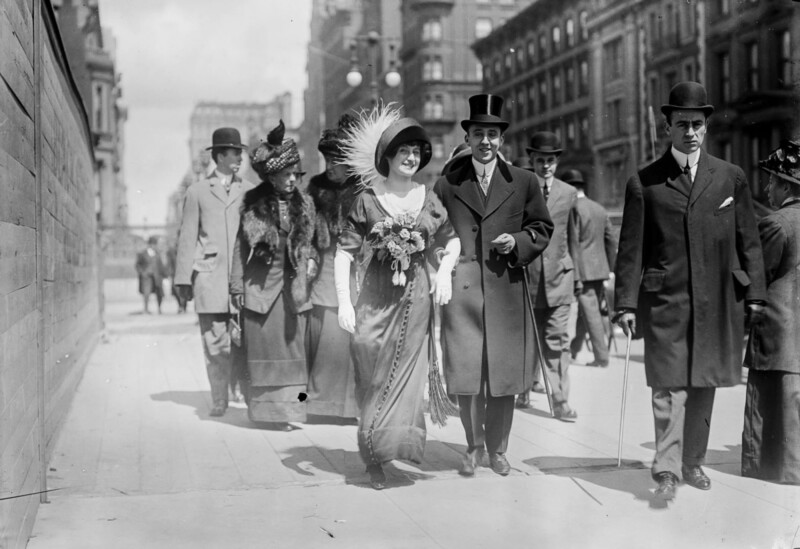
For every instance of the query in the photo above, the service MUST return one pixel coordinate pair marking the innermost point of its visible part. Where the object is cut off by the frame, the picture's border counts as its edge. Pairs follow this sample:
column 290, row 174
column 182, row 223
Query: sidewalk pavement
column 139, row 463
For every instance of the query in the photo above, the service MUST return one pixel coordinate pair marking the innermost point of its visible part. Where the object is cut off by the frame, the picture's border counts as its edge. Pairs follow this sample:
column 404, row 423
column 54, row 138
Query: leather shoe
column 598, row 364
column 694, row 476
column 538, row 387
column 499, row 464
column 523, row 401
column 377, row 478
column 218, row 410
column 565, row 413
column 667, row 483
column 470, row 462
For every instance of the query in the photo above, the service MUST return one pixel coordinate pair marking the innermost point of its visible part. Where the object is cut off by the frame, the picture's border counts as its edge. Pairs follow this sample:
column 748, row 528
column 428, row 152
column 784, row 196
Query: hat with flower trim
column 274, row 154
column 784, row 162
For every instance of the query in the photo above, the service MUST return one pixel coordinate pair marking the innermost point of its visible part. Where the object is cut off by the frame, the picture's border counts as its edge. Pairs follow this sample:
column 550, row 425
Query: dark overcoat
column 488, row 311
column 689, row 257
column 774, row 342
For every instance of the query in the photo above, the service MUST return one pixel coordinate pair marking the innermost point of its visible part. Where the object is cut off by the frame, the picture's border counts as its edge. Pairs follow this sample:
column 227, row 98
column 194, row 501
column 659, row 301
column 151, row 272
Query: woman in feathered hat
column 331, row 378
column 393, row 346
column 771, row 435
column 272, row 263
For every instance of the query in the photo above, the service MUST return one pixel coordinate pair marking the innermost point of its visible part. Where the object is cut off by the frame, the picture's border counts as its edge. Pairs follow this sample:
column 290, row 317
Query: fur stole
column 260, row 224
column 332, row 202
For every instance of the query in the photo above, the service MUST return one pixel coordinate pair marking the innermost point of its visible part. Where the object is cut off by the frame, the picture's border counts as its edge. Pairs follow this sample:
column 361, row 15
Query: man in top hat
column 205, row 252
column 555, row 275
column 598, row 251
column 502, row 221
column 688, row 266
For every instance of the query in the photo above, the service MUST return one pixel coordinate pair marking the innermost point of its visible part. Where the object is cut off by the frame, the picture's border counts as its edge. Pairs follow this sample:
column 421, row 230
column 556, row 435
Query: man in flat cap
column 502, row 221
column 688, row 267
column 205, row 252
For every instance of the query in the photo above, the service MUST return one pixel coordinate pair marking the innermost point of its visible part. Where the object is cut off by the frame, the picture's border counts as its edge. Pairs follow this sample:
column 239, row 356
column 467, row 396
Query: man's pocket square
column 725, row 202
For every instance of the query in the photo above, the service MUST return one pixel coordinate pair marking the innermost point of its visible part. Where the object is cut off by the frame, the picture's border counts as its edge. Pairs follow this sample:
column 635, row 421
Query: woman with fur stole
column 273, row 263
column 331, row 378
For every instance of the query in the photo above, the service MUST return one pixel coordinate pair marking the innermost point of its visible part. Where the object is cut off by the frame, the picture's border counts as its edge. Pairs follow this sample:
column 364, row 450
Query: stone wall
column 49, row 304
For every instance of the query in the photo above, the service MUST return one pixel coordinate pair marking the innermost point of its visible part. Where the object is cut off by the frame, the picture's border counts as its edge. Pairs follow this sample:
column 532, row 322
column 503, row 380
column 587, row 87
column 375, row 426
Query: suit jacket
column 596, row 240
column 774, row 342
column 205, row 241
column 147, row 265
column 559, row 263
column 488, row 309
column 689, row 257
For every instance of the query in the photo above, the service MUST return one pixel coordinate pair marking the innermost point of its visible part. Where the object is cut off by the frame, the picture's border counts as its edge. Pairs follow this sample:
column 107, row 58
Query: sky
column 172, row 54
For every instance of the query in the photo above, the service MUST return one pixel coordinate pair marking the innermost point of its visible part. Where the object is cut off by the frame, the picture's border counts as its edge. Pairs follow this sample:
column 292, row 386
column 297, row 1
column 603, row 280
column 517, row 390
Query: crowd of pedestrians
column 322, row 298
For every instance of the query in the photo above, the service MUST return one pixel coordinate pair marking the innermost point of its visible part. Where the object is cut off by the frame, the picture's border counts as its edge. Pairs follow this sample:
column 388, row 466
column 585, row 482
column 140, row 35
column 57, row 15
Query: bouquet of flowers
column 395, row 238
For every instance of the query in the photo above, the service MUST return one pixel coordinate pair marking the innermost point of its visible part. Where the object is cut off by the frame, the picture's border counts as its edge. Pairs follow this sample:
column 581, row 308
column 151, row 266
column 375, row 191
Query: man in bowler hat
column 555, row 275
column 205, row 251
column 688, row 267
column 598, row 252
column 502, row 221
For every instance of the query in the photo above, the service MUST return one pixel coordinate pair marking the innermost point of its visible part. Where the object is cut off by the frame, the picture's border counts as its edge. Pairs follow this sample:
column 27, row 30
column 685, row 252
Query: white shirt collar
column 681, row 158
column 223, row 178
column 480, row 168
column 543, row 182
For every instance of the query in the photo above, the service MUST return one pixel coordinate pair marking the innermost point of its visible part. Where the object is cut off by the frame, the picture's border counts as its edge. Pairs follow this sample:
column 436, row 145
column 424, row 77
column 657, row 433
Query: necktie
column 687, row 171
column 545, row 191
column 485, row 183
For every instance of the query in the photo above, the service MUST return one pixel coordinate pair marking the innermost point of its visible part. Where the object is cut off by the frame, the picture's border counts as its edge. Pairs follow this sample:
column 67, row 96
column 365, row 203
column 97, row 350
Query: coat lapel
column 468, row 191
column 236, row 191
column 675, row 177
column 217, row 189
column 500, row 188
column 702, row 179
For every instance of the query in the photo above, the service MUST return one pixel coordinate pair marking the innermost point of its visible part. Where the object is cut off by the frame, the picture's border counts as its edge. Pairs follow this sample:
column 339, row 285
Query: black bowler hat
column 544, row 143
column 226, row 138
column 485, row 109
column 573, row 177
column 688, row 96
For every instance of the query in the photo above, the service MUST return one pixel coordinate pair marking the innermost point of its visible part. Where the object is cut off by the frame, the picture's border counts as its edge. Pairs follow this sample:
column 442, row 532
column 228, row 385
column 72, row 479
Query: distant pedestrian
column 151, row 271
column 274, row 262
column 771, row 437
column 598, row 251
column 501, row 219
column 688, row 265
column 331, row 382
column 205, row 253
column 555, row 275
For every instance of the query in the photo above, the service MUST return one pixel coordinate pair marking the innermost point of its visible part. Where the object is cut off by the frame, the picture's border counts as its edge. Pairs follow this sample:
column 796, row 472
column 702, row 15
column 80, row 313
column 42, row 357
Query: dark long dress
column 390, row 345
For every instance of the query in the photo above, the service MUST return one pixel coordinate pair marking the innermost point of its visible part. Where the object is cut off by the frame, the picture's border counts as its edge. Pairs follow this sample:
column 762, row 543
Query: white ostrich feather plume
column 362, row 139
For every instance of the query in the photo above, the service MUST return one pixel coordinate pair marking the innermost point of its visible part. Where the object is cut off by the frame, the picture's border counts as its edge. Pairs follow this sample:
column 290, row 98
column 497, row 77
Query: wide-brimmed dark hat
column 688, row 96
column 226, row 138
column 544, row 143
column 404, row 130
column 784, row 162
column 485, row 108
column 573, row 177
column 331, row 142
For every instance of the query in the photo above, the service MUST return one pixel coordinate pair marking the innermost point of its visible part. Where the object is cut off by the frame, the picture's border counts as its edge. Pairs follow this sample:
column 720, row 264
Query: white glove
column 341, row 278
column 442, row 284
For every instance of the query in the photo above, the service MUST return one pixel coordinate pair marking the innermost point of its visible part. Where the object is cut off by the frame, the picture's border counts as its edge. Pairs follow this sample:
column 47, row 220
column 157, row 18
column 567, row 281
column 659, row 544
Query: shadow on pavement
column 152, row 328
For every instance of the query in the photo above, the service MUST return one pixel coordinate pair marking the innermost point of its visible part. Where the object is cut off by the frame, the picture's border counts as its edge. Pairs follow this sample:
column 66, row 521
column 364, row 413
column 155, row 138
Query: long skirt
column 331, row 376
column 390, row 350
column 276, row 363
column 771, row 437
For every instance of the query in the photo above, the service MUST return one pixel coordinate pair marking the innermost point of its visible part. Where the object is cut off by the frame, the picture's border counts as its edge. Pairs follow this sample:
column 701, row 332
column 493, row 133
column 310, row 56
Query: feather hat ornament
column 274, row 154
column 376, row 133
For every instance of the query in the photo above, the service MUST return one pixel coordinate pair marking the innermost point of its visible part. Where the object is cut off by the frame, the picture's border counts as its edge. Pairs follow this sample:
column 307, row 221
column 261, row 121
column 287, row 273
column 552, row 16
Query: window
column 531, row 100
column 508, row 63
column 569, row 84
column 556, row 87
column 724, row 6
column 671, row 79
column 614, row 118
column 498, row 68
column 571, row 134
column 751, row 57
column 432, row 68
column 438, row 107
column 542, row 46
column 688, row 71
column 432, row 30
column 556, row 37
column 521, row 104
column 100, row 108
column 612, row 59
column 483, row 27
column 531, row 51
column 725, row 151
column 755, row 173
column 520, row 57
column 433, row 108
column 570, row 32
column 784, row 59
column 583, row 128
column 583, row 82
column 542, row 95
column 583, row 19
column 437, row 146
column 479, row 71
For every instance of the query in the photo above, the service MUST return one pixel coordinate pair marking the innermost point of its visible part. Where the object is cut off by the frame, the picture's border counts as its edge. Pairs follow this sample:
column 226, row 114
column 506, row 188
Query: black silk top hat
column 544, row 143
column 405, row 130
column 485, row 109
column 573, row 177
column 688, row 96
column 226, row 138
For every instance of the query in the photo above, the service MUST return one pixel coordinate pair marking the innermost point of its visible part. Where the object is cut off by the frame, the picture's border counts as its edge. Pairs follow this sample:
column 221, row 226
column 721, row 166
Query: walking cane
column 624, row 396
column 547, row 389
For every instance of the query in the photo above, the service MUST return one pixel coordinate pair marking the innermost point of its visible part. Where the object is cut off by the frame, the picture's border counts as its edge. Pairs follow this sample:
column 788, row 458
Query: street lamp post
column 354, row 77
